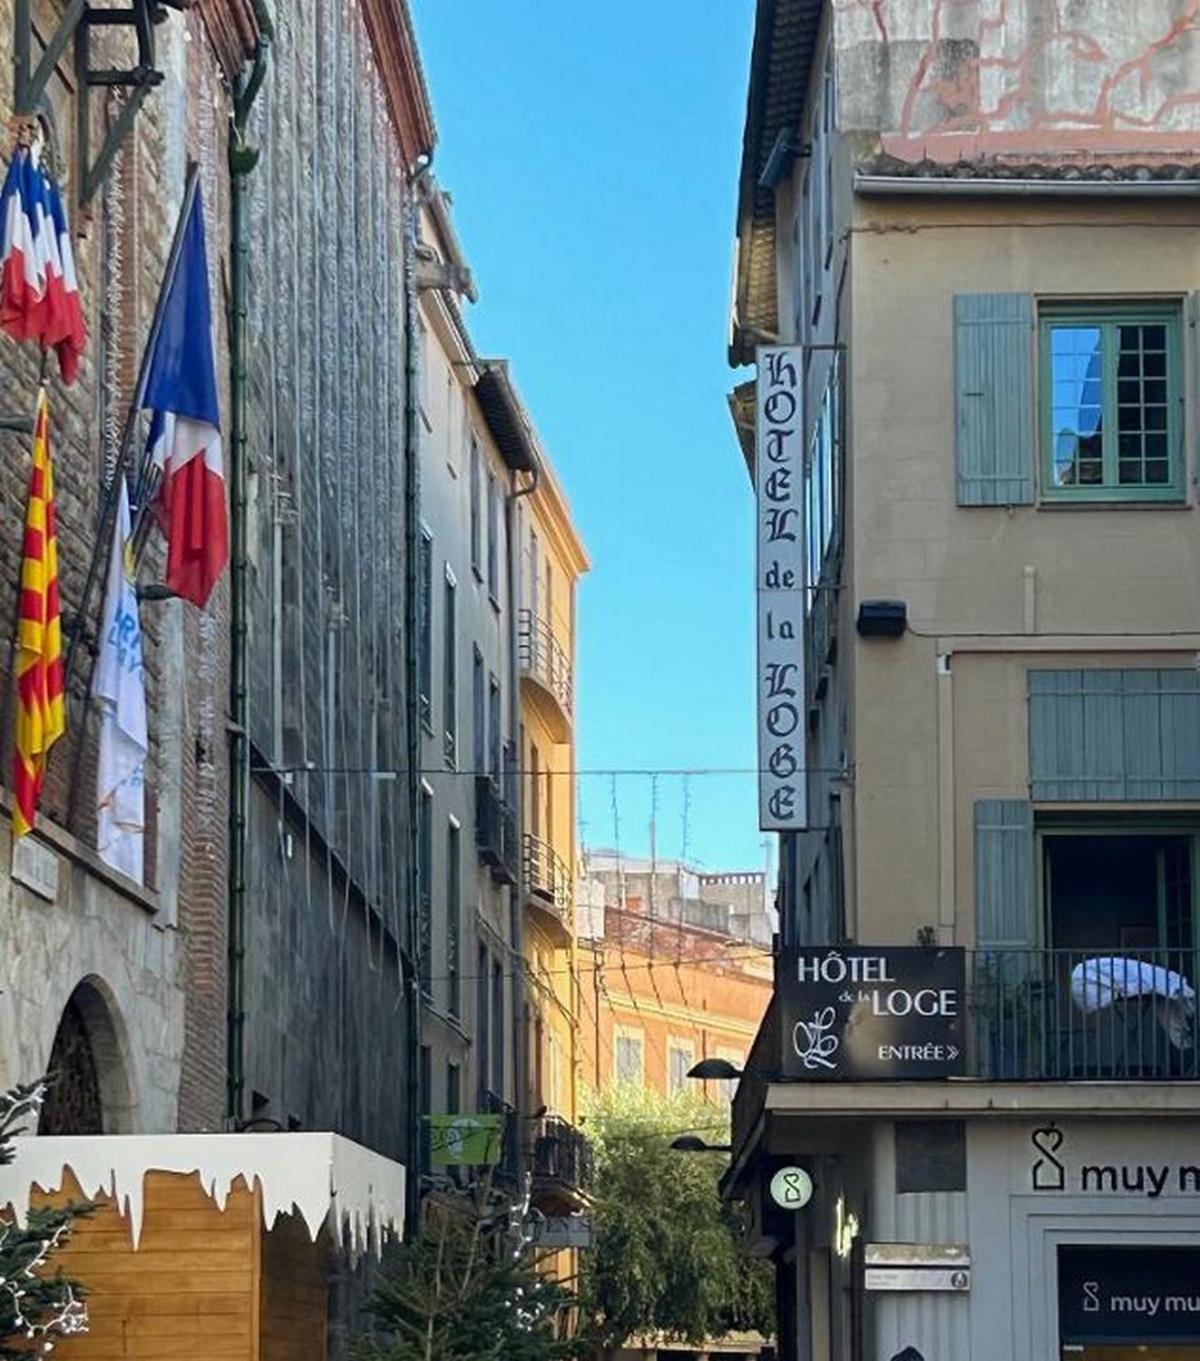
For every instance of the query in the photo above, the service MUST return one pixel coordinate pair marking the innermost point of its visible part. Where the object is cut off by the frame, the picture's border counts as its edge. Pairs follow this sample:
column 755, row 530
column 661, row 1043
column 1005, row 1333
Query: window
column 680, row 1057
column 425, row 632
column 453, row 919
column 494, row 733
column 497, row 1028
column 629, row 1052
column 822, row 478
column 727, row 1086
column 453, row 1089
column 535, row 567
column 482, row 1048
column 450, row 670
column 425, row 873
column 1111, row 420
column 535, row 791
column 476, row 528
column 478, row 714
column 493, row 540
column 828, row 124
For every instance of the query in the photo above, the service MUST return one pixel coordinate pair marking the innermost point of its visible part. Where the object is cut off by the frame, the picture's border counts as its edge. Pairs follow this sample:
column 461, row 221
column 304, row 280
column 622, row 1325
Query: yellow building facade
column 552, row 560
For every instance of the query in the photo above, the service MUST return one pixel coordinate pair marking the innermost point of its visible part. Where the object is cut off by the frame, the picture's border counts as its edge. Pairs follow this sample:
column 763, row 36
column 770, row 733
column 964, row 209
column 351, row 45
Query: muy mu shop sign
column 870, row 1014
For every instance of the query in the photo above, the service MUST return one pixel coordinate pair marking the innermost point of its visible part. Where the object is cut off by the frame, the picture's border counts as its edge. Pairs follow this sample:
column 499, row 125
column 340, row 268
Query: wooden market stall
column 207, row 1247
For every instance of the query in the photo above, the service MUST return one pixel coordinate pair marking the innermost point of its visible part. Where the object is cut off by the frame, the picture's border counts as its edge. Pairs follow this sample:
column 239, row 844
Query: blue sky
column 592, row 152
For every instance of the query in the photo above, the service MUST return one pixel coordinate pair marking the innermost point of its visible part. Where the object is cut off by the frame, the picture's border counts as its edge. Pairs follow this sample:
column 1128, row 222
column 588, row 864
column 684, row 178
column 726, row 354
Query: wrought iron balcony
column 495, row 830
column 548, row 884
column 1057, row 1015
column 545, row 661
column 562, row 1157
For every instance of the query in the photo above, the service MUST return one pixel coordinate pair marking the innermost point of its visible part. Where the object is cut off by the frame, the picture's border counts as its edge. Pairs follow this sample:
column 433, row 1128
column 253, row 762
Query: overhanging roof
column 504, row 416
column 785, row 34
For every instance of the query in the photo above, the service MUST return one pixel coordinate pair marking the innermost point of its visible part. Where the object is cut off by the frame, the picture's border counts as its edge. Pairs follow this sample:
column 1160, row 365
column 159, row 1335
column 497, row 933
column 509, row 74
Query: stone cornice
column 399, row 63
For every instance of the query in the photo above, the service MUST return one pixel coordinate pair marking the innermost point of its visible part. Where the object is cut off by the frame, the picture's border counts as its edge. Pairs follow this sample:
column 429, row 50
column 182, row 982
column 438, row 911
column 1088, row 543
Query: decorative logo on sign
column 815, row 1046
column 1049, row 1174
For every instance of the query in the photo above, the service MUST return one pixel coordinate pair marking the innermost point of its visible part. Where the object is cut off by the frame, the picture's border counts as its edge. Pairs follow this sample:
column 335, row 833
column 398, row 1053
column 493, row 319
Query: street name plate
column 36, row 866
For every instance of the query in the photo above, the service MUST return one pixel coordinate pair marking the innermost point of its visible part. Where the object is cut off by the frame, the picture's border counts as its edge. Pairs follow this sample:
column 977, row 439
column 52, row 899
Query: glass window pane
column 1157, row 471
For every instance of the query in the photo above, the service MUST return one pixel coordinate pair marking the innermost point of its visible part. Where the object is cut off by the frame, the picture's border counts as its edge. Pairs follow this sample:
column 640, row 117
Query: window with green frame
column 1112, row 428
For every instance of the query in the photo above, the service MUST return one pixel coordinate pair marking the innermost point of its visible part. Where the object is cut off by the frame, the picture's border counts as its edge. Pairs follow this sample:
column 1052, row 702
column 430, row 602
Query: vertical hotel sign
column 779, row 488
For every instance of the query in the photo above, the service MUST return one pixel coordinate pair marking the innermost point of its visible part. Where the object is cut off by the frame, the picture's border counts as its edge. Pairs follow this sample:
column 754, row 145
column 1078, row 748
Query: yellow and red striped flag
column 41, row 713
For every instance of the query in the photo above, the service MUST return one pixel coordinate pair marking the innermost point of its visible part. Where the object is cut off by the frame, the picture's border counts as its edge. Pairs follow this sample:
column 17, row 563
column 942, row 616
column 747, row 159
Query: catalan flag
column 41, row 713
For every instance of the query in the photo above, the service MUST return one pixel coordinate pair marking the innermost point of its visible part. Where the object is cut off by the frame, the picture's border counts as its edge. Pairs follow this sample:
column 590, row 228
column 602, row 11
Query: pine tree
column 459, row 1292
column 35, row 1306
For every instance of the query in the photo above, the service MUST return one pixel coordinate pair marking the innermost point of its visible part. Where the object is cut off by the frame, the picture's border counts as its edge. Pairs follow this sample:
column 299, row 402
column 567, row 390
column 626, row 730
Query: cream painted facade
column 990, row 268
column 552, row 562
column 466, row 700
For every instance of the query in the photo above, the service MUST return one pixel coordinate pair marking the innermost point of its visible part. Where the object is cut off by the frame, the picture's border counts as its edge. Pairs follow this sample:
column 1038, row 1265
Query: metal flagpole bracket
column 78, row 20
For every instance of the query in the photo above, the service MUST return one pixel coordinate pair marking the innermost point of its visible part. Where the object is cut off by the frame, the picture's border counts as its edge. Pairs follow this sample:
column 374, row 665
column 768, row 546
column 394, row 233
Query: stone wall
column 944, row 80
column 136, row 949
column 326, row 1034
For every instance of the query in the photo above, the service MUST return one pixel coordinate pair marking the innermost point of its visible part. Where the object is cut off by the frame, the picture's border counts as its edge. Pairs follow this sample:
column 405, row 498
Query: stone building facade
column 972, row 227
column 128, row 976
column 327, row 1037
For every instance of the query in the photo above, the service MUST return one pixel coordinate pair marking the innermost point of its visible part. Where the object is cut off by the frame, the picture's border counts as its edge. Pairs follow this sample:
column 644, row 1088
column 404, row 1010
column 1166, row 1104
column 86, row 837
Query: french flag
column 185, row 435
column 39, row 292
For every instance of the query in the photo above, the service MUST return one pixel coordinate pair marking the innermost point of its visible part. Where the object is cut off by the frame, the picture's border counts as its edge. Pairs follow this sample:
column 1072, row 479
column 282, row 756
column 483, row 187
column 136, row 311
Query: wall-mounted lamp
column 882, row 619
column 714, row 1070
column 692, row 1143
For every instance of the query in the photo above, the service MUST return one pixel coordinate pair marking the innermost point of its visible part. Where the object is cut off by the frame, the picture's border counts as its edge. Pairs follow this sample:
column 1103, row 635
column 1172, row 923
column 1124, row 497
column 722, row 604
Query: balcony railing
column 561, row 1154
column 545, row 659
column 1056, row 1015
column 495, row 830
column 547, row 878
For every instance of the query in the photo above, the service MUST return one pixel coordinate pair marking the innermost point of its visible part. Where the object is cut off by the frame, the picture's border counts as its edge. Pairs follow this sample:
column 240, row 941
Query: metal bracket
column 79, row 18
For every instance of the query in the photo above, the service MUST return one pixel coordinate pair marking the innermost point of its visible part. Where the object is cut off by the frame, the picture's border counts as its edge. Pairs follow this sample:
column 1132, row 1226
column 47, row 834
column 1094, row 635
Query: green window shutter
column 993, row 398
column 1107, row 734
column 1004, row 902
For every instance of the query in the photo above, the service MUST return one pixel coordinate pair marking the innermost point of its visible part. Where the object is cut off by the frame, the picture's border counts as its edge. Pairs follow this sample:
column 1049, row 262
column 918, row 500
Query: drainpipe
column 242, row 160
column 412, row 726
column 517, row 900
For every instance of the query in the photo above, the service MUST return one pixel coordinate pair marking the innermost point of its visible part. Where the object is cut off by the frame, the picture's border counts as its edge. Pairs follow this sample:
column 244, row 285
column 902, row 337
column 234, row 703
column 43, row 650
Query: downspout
column 517, row 898
column 242, row 160
column 412, row 725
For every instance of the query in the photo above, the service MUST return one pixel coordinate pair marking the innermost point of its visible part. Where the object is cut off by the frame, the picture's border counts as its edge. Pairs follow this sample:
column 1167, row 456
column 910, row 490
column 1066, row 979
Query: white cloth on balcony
column 1098, row 983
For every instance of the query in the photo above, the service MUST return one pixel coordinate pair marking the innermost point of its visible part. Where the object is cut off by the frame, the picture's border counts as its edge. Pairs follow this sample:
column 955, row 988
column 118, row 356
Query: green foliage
column 457, row 1293
column 35, row 1307
column 666, row 1257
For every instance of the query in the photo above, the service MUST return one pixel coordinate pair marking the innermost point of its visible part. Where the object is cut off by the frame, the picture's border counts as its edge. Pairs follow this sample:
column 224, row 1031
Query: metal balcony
column 562, row 1161
column 495, row 830
column 545, row 662
column 548, row 886
column 1037, row 1015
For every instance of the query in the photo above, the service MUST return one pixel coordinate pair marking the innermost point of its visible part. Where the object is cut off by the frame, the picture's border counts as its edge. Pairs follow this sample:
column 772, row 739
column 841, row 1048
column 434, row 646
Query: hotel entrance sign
column 867, row 1013
column 779, row 586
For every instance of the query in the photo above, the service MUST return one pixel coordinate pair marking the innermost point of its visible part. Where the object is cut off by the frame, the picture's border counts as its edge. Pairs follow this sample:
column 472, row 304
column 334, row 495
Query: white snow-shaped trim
column 317, row 1175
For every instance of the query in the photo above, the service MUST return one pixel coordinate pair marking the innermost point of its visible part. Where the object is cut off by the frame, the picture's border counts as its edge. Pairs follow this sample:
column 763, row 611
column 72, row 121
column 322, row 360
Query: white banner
column 779, row 488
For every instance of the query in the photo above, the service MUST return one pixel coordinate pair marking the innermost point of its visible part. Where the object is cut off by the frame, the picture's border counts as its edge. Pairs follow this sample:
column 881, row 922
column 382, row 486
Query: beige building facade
column 978, row 233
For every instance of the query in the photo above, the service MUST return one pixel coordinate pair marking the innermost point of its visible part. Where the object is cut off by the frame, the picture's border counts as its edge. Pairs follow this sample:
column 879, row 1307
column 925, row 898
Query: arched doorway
column 88, row 1091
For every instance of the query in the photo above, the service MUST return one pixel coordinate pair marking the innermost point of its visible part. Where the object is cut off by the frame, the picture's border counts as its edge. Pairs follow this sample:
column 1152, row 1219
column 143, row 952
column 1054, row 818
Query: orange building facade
column 675, row 967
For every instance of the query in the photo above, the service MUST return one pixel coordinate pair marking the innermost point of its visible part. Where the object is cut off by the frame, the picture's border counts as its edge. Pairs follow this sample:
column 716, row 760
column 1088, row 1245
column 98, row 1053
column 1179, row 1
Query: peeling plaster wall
column 950, row 79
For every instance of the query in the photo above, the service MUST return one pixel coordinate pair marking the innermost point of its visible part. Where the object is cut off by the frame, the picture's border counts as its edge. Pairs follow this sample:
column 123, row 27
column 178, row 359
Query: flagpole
column 109, row 503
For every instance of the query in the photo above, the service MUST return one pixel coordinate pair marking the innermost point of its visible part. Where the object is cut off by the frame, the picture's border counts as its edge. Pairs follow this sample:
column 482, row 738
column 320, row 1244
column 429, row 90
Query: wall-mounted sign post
column 779, row 581
column 867, row 1013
